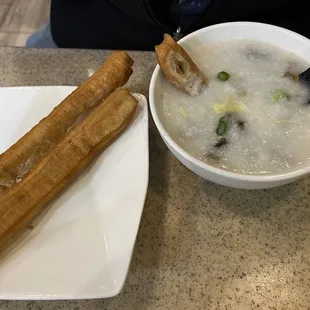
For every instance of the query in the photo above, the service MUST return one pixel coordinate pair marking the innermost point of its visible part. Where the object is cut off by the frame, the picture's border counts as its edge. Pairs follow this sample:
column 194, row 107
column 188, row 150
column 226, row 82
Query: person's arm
column 102, row 24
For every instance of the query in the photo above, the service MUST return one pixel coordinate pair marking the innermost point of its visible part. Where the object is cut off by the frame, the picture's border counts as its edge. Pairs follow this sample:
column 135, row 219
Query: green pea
column 223, row 76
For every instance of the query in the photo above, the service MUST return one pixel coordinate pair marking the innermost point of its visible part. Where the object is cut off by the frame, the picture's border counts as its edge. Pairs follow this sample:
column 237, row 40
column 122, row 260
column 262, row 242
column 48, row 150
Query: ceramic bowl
column 288, row 40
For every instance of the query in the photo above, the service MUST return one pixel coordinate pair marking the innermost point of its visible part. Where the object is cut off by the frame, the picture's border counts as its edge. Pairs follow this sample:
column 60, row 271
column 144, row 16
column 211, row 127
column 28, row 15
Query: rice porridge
column 254, row 115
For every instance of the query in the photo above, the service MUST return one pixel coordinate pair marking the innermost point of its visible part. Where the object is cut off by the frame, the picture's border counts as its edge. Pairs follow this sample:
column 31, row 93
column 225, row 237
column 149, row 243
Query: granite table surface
column 200, row 245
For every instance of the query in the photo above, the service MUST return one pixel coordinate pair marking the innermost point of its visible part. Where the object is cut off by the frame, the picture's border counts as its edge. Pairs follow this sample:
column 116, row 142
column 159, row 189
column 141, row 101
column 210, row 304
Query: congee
column 254, row 115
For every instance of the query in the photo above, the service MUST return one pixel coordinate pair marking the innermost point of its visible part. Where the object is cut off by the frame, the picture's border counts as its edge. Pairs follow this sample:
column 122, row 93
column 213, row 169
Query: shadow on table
column 261, row 203
column 249, row 202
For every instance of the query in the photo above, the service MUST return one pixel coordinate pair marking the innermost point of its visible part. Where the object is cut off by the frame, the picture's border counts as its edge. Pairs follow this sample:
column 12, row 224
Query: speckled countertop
column 200, row 245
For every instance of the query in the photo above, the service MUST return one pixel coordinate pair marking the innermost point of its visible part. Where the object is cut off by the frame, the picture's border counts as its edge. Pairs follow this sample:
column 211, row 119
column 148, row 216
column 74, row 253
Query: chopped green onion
column 280, row 94
column 221, row 127
column 223, row 76
column 183, row 113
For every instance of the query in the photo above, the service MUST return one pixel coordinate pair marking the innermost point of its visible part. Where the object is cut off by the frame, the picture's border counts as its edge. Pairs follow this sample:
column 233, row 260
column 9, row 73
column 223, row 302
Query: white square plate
column 81, row 245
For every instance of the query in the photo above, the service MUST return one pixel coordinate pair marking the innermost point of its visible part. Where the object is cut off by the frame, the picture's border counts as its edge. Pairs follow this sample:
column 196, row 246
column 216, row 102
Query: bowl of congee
column 232, row 105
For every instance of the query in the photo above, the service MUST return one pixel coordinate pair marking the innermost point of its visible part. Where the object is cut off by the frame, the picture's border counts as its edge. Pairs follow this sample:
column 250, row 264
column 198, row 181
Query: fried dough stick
column 62, row 164
column 27, row 151
column 179, row 68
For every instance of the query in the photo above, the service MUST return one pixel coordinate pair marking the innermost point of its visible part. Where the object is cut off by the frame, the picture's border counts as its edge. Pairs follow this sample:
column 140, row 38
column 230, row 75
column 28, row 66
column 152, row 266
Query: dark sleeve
column 102, row 24
column 290, row 14
column 127, row 24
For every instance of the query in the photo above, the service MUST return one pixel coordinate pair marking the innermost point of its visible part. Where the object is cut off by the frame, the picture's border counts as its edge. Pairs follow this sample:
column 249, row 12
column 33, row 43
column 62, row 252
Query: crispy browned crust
column 178, row 67
column 26, row 152
column 79, row 147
